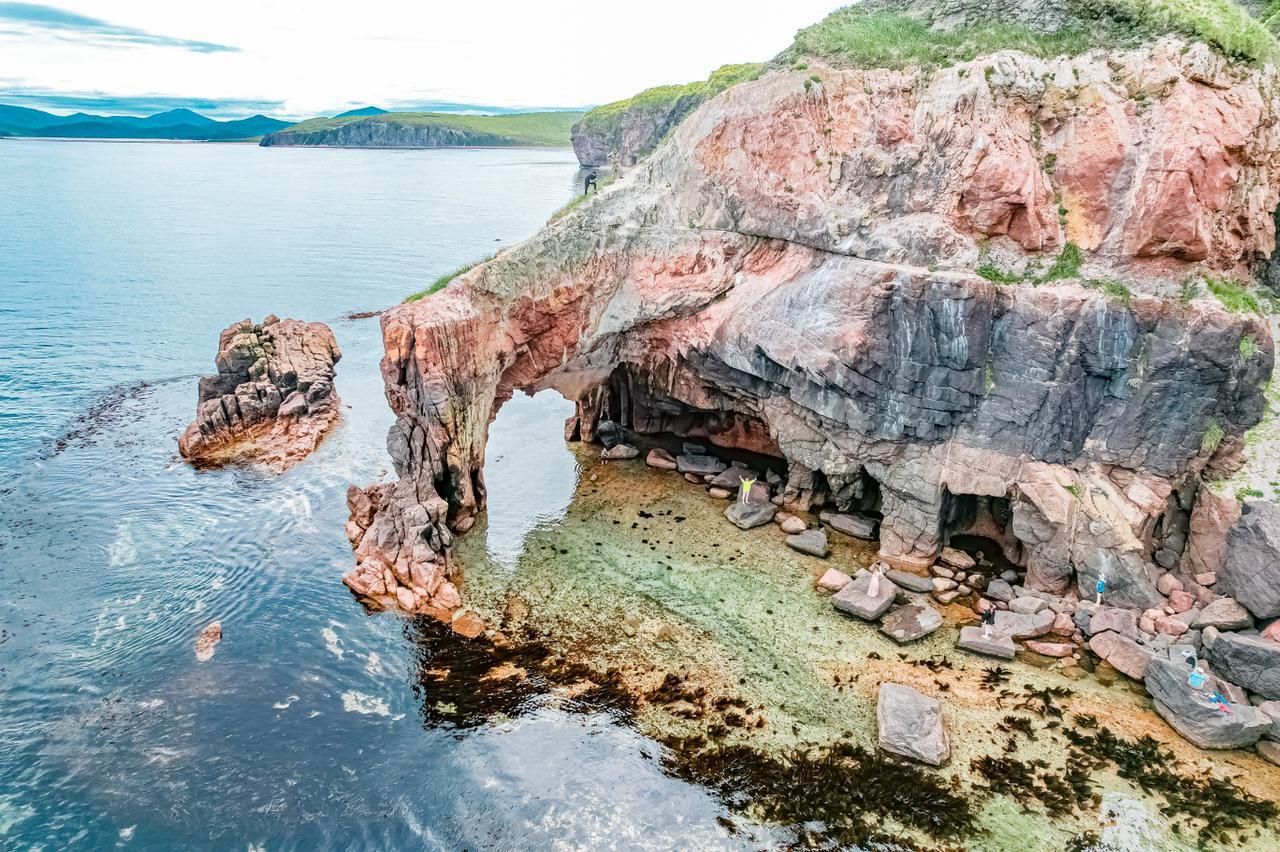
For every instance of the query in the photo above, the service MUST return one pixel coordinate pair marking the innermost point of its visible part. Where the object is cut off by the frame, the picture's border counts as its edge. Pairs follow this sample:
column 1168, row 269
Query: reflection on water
column 306, row 729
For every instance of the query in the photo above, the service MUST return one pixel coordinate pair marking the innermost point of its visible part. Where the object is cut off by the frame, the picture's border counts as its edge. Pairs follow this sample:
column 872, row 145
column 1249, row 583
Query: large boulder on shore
column 910, row 724
column 1192, row 714
column 1123, row 653
column 272, row 399
column 1251, row 571
column 856, row 598
column 1249, row 661
column 994, row 645
column 911, row 622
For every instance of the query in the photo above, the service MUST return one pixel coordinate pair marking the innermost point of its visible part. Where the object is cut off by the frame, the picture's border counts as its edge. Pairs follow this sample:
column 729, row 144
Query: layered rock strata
column 272, row 399
column 795, row 272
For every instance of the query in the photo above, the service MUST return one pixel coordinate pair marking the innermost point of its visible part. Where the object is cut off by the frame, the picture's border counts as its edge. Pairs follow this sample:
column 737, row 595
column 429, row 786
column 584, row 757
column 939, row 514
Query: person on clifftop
column 590, row 182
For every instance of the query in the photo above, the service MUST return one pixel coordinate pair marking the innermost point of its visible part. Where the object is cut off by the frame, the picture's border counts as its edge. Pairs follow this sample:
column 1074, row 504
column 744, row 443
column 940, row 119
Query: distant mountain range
column 181, row 124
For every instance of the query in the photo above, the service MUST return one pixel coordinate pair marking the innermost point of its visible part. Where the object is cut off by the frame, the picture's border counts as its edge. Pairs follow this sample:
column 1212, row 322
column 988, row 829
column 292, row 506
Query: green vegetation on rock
column 534, row 129
column 443, row 281
column 893, row 35
column 1233, row 296
column 665, row 98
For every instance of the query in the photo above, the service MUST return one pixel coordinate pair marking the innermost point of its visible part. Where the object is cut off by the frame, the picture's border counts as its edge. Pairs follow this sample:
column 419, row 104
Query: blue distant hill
column 369, row 110
column 182, row 124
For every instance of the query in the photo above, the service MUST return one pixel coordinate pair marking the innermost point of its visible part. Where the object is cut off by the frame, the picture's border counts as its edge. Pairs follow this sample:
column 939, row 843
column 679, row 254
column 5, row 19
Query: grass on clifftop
column 664, row 98
column 535, row 129
column 884, row 38
column 443, row 281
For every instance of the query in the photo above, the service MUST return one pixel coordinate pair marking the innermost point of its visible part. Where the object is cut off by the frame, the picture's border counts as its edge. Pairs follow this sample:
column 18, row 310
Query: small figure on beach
column 744, row 490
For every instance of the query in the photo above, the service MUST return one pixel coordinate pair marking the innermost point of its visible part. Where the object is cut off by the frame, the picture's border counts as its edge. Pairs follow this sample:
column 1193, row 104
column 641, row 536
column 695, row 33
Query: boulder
column 856, row 600
column 1115, row 619
column 812, row 542
column 732, row 477
column 619, row 451
column 1271, row 709
column 1027, row 605
column 1050, row 649
column 912, row 622
column 1250, row 661
column 910, row 582
column 747, row 516
column 833, row 580
column 942, row 584
column 1224, row 614
column 957, row 558
column 1167, row 584
column 1000, row 590
column 1020, row 626
column 660, row 459
column 609, row 433
column 858, row 526
column 1250, row 572
column 1270, row 751
column 1190, row 712
column 793, row 525
column 997, row 645
column 1124, row 654
column 910, row 724
column 699, row 465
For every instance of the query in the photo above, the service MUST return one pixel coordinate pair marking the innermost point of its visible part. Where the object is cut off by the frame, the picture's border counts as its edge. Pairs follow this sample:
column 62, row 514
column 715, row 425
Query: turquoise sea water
column 310, row 728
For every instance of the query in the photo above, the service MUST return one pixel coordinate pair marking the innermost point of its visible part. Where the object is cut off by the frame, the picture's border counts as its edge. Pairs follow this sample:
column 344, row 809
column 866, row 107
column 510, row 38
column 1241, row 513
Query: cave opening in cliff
column 981, row 526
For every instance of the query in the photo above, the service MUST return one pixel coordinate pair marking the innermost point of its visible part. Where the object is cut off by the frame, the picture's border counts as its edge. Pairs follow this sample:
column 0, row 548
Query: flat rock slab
column 910, row 724
column 855, row 599
column 858, row 526
column 699, row 465
column 660, row 459
column 1250, row 661
column 957, row 558
column 812, row 542
column 909, row 623
column 1126, row 655
column 747, row 516
column 1020, row 626
column 833, row 580
column 997, row 645
column 910, row 582
column 1192, row 714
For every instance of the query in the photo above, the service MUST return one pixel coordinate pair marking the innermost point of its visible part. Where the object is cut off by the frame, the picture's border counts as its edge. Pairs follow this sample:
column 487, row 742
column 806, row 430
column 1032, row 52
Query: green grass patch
column 608, row 117
column 996, row 275
column 532, row 129
column 443, row 281
column 881, row 37
column 1233, row 296
column 1113, row 290
column 1248, row 347
column 1067, row 264
column 1212, row 438
column 579, row 199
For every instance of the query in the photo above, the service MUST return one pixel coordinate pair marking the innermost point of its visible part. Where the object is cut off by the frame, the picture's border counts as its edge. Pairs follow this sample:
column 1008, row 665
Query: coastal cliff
column 977, row 296
column 272, row 399
column 430, row 130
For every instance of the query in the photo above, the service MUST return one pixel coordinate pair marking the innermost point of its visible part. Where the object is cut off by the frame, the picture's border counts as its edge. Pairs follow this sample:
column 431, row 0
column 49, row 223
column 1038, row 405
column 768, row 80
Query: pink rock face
column 1181, row 601
column 1050, row 649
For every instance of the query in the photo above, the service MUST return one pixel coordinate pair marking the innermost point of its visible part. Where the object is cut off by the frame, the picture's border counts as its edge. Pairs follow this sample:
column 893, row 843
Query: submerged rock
column 208, row 641
column 910, row 724
column 911, row 622
column 272, row 399
column 1192, row 714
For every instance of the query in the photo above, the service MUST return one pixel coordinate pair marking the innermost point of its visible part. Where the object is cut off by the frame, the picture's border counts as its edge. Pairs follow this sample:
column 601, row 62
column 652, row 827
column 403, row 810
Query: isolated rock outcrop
column 1191, row 713
column 910, row 724
column 794, row 272
column 272, row 399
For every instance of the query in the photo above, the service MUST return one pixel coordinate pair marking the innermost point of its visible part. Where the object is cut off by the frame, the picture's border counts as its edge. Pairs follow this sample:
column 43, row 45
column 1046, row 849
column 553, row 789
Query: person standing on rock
column 744, row 490
column 1100, row 588
column 873, row 587
column 988, row 621
column 590, row 182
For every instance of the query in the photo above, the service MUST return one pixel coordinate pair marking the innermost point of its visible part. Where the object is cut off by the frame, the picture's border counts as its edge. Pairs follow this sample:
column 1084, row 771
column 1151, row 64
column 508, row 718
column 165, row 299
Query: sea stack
column 272, row 399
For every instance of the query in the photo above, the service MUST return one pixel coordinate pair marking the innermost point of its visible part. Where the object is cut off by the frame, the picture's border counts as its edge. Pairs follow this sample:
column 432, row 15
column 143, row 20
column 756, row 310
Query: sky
column 234, row 58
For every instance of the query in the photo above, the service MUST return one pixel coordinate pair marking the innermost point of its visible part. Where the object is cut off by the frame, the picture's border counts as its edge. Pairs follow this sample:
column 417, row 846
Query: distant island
column 430, row 130
column 365, row 127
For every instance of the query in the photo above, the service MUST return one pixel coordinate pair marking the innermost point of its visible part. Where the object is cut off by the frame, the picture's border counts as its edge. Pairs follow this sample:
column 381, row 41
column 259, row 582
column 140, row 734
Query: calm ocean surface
column 119, row 265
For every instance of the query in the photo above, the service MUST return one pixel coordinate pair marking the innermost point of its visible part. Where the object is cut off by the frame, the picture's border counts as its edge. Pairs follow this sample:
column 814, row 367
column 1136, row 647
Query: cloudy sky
column 237, row 57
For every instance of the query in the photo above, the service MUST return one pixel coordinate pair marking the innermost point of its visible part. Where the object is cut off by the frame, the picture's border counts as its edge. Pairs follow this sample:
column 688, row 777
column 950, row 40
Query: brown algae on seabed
column 729, row 649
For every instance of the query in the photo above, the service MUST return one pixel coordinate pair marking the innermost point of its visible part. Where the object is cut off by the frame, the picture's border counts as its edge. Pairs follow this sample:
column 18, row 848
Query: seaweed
column 993, row 677
column 1041, row 701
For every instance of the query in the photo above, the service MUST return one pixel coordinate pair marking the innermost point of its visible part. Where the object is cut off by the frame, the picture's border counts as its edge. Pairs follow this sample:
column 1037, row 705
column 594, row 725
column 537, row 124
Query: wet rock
column 792, row 525
column 1250, row 661
column 660, row 459
column 910, row 582
column 910, row 724
column 1020, row 626
column 1115, row 619
column 957, row 558
column 812, row 542
column 833, row 580
column 468, row 624
column 1122, row 653
column 747, row 516
column 1251, row 571
column 1224, row 614
column 856, row 599
column 619, row 451
column 1000, row 590
column 699, row 465
column 912, row 622
column 1190, row 712
column 208, row 641
column 858, row 526
column 996, row 645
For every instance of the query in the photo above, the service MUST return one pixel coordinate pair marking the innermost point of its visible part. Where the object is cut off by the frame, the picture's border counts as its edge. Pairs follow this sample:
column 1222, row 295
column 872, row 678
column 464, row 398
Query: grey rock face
column 1000, row 590
column 747, row 516
column 910, row 582
column 1195, row 717
column 1122, row 621
column 910, row 724
column 1027, row 606
column 909, row 623
column 997, row 645
column 1251, row 571
column 1223, row 614
column 1019, row 626
column 812, row 542
column 1250, row 661
column 699, row 465
column 858, row 526
column 856, row 598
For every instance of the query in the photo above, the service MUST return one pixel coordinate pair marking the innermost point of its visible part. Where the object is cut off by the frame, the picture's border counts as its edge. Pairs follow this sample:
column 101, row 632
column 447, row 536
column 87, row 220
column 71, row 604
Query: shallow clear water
column 119, row 264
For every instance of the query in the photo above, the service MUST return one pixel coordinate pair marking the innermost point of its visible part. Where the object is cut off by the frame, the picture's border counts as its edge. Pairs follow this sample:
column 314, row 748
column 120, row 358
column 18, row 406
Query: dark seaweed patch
column 993, row 677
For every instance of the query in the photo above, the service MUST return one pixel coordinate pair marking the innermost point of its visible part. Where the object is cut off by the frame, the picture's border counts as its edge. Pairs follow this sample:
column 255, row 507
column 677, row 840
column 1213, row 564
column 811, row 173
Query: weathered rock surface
column 1223, row 614
column 272, row 399
column 746, row 516
column 1194, row 716
column 996, row 645
column 1123, row 653
column 812, row 542
column 910, row 724
column 1249, row 661
column 1251, row 571
column 911, row 622
column 910, row 582
column 858, row 526
column 856, row 598
column 792, row 273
